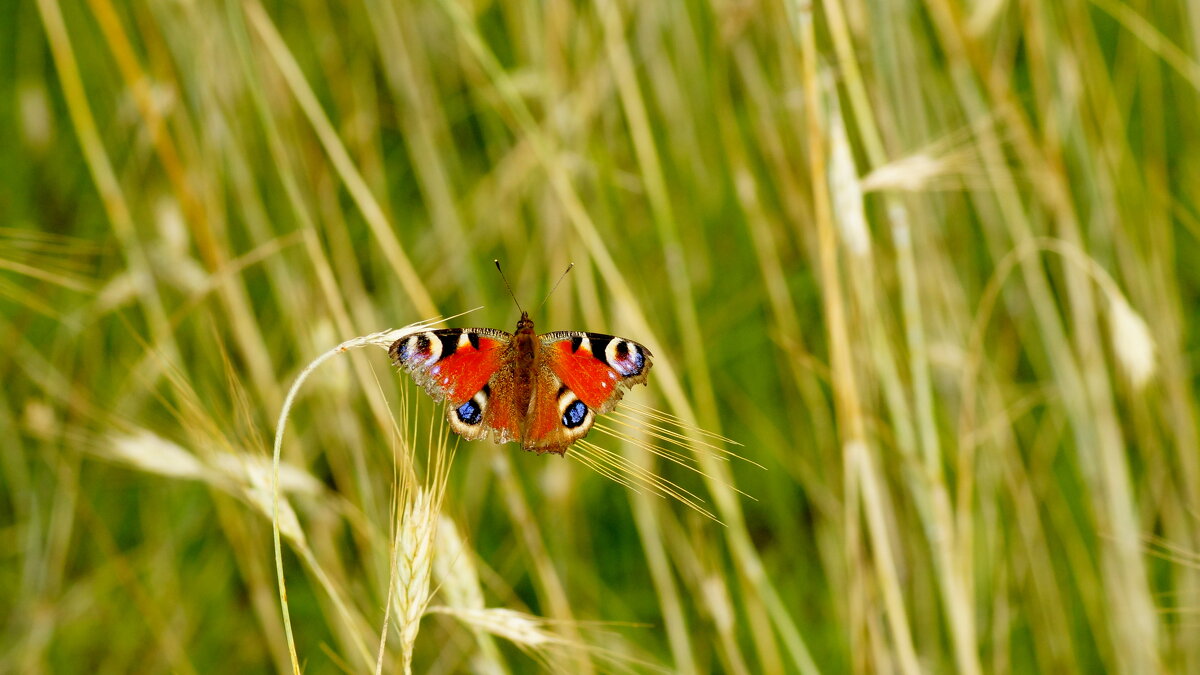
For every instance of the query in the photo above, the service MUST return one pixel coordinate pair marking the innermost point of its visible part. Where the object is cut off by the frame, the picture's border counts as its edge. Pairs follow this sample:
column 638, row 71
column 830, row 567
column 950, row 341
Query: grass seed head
column 454, row 567
column 152, row 453
column 1132, row 342
column 414, row 564
column 521, row 629
column 257, row 491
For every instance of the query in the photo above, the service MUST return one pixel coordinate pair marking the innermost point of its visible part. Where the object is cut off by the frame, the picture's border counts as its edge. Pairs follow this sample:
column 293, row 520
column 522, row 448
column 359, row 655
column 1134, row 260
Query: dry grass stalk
column 845, row 188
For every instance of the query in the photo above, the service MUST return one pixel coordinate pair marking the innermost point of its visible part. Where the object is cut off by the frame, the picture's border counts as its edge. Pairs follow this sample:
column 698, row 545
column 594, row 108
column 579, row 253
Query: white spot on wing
column 565, row 401
column 431, row 356
column 628, row 365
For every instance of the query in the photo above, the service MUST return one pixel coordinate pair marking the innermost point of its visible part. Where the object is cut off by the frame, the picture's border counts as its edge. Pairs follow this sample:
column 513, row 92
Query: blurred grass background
column 933, row 263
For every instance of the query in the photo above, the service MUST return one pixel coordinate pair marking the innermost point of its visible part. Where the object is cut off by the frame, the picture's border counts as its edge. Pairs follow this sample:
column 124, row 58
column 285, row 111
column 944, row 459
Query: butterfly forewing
column 595, row 366
column 452, row 364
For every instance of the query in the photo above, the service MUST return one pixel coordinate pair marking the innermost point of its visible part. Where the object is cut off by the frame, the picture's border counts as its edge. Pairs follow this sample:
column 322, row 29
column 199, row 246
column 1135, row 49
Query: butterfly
column 543, row 391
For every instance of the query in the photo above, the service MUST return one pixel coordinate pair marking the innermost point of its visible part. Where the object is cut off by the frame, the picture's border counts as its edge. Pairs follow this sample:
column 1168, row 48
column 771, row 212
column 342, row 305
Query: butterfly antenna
column 506, row 285
column 564, row 274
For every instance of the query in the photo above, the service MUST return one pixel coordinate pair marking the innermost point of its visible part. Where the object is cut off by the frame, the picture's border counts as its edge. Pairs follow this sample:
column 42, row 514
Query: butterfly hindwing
column 469, row 419
column 557, row 417
column 504, row 413
column 453, row 364
column 595, row 367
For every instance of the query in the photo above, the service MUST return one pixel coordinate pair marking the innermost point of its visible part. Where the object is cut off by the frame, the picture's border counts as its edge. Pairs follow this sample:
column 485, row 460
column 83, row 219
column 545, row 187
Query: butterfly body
column 543, row 391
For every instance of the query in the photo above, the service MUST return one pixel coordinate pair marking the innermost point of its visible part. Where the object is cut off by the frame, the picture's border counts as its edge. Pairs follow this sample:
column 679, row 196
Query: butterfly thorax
column 524, row 350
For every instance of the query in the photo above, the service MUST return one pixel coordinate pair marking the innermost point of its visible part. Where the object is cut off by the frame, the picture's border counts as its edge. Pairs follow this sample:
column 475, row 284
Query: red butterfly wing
column 595, row 366
column 453, row 364
column 503, row 413
column 556, row 416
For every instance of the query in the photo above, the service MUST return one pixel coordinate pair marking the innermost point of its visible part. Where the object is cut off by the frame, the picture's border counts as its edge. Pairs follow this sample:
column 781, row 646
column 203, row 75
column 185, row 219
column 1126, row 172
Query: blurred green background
column 933, row 264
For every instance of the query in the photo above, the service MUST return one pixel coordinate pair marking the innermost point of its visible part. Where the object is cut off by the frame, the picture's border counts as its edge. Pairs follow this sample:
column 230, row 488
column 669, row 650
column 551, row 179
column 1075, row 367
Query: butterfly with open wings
column 543, row 391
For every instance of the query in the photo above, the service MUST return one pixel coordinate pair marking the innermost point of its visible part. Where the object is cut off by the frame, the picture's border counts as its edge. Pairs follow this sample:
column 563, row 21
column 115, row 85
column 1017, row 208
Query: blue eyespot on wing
column 574, row 415
column 470, row 413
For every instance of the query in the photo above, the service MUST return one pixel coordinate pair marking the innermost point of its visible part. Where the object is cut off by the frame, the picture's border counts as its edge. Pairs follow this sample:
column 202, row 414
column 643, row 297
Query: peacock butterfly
column 543, row 391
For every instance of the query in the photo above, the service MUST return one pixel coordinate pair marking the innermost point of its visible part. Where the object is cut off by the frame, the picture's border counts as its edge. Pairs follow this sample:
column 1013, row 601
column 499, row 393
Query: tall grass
column 934, row 265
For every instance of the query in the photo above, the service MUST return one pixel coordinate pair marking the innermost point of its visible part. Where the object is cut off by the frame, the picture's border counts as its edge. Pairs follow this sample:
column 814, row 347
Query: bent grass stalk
column 382, row 339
